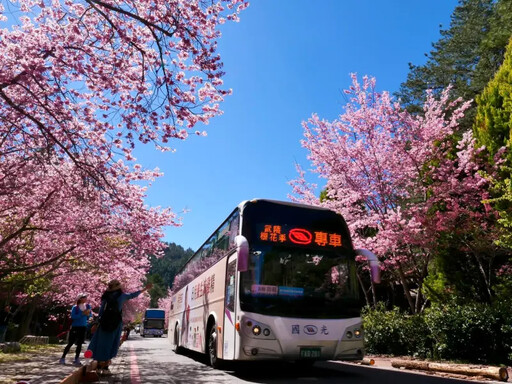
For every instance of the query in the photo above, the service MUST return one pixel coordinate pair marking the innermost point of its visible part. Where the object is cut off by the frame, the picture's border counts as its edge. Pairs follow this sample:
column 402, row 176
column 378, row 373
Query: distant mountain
column 175, row 256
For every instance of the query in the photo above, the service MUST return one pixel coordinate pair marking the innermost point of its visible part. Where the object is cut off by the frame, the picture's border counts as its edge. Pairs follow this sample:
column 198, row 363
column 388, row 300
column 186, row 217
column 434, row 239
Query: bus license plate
column 309, row 353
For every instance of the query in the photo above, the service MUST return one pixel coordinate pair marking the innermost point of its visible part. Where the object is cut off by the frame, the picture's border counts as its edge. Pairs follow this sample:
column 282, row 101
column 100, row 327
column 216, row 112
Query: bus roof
column 290, row 203
column 155, row 313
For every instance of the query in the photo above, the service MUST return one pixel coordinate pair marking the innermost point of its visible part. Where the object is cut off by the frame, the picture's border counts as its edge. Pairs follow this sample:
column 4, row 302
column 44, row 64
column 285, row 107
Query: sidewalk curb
column 116, row 375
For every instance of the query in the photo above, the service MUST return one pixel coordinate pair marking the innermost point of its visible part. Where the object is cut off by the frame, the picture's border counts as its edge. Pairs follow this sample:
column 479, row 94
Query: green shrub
column 393, row 332
column 472, row 332
column 417, row 337
column 462, row 332
column 503, row 314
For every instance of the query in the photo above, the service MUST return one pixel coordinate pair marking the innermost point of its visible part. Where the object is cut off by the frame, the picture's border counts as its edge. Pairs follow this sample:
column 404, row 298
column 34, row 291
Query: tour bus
column 153, row 322
column 276, row 281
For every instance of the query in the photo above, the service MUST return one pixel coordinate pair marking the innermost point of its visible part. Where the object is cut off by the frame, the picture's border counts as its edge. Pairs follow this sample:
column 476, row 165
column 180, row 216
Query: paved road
column 151, row 360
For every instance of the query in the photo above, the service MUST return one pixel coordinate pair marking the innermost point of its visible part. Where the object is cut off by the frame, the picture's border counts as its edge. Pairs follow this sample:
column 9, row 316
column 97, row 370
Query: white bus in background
column 276, row 280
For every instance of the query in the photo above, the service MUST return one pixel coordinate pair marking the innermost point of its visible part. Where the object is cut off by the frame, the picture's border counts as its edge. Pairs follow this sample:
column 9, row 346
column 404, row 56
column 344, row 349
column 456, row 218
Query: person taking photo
column 80, row 314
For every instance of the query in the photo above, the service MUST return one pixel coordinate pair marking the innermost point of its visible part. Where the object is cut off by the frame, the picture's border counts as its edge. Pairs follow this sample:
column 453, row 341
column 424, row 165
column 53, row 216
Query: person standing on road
column 5, row 317
column 80, row 313
column 104, row 344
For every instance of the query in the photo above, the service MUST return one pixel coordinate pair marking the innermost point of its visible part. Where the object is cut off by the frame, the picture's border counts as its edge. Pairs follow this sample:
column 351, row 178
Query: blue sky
column 285, row 60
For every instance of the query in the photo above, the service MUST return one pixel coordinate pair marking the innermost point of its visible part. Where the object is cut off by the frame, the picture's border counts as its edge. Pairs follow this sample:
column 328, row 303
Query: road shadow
column 284, row 371
column 273, row 371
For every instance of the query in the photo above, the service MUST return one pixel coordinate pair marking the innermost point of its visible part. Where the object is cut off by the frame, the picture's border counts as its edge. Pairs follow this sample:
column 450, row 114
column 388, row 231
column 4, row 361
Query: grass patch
column 27, row 351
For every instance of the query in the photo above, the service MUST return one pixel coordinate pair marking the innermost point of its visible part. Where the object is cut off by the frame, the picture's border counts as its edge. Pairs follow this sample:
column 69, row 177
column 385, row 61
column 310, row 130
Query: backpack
column 111, row 317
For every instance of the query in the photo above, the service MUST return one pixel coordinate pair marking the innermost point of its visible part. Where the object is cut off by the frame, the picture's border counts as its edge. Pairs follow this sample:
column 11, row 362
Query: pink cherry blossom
column 82, row 83
column 398, row 179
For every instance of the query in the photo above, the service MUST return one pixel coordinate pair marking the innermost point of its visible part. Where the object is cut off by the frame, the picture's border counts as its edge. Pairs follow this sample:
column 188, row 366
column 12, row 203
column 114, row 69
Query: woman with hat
column 105, row 344
column 80, row 313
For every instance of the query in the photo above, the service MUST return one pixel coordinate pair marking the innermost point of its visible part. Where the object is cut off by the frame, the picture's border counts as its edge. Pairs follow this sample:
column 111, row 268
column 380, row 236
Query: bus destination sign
column 277, row 234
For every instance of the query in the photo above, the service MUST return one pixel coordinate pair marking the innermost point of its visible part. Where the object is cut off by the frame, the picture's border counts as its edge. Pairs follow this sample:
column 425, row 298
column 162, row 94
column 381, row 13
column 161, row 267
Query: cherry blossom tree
column 61, row 235
column 398, row 179
column 92, row 77
column 81, row 84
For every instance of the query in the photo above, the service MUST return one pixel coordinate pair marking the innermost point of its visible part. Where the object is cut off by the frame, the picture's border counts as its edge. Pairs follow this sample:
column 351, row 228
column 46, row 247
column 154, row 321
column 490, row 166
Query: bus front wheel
column 212, row 348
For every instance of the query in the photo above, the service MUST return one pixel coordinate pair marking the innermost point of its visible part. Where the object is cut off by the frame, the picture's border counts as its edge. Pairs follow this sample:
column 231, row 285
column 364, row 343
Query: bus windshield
column 302, row 283
column 154, row 323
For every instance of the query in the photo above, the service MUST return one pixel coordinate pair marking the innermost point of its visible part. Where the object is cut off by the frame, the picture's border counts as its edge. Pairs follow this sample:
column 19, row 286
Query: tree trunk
column 484, row 276
column 24, row 328
column 373, row 293
column 364, row 289
column 405, row 286
column 496, row 373
column 420, row 299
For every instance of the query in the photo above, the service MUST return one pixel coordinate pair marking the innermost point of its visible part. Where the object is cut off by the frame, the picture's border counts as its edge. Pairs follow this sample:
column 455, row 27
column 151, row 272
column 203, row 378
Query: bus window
column 230, row 286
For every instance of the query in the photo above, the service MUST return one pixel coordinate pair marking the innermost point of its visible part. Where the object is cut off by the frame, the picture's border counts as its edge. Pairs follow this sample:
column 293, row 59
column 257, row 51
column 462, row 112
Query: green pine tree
column 493, row 123
column 467, row 55
column 453, row 57
column 493, row 128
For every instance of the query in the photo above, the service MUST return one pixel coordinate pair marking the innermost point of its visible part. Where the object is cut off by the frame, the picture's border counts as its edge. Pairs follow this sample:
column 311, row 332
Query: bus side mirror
column 242, row 250
column 374, row 263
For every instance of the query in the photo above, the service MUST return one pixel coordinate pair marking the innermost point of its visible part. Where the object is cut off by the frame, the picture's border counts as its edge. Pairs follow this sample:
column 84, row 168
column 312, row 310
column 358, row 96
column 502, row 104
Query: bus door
column 229, row 331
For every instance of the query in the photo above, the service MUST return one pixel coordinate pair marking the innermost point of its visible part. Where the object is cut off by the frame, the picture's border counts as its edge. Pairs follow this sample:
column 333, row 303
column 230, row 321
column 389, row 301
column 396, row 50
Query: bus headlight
column 255, row 329
column 353, row 332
